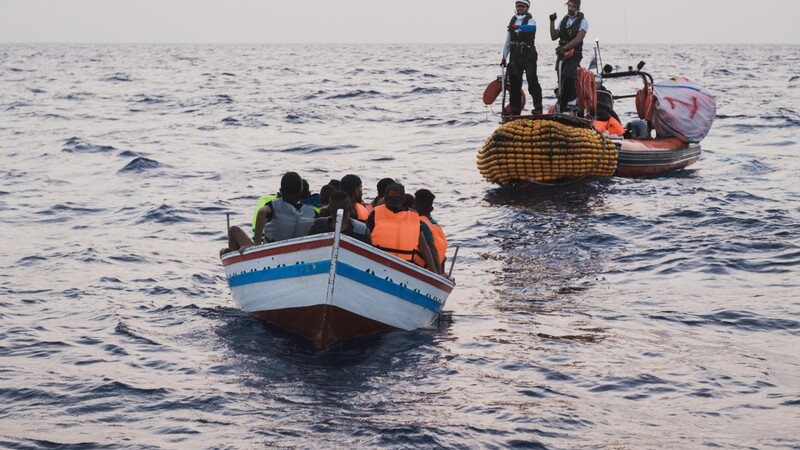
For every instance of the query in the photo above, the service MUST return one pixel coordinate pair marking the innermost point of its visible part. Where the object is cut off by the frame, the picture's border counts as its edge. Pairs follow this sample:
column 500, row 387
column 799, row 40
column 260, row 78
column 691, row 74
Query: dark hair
column 306, row 190
column 335, row 183
column 424, row 196
column 325, row 193
column 382, row 186
column 291, row 184
column 577, row 3
column 350, row 183
column 339, row 200
column 408, row 201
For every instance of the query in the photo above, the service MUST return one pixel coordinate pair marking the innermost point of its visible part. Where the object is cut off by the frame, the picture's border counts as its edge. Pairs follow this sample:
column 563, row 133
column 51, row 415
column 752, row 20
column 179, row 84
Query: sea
column 606, row 314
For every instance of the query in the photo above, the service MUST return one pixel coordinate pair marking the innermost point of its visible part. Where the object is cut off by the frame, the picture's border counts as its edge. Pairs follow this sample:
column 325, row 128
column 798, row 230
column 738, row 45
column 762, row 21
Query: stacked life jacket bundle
column 545, row 151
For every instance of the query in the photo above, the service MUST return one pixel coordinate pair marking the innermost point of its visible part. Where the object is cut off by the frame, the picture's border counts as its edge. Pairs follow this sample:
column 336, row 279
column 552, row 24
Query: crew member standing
column 520, row 46
column 570, row 33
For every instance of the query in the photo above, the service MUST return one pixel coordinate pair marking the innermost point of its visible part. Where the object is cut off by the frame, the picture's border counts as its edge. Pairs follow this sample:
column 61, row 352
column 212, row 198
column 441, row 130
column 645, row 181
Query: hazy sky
column 382, row 21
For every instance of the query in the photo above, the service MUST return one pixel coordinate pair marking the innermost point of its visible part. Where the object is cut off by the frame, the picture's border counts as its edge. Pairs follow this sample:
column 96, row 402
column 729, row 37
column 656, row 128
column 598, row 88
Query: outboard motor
column 637, row 129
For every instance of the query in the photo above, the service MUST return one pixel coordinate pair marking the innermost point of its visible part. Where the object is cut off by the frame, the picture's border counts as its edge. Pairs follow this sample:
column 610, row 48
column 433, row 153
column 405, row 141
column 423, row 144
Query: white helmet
column 524, row 2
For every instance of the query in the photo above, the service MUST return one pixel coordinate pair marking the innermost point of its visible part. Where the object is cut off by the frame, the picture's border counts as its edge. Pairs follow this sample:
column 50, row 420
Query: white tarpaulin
column 683, row 109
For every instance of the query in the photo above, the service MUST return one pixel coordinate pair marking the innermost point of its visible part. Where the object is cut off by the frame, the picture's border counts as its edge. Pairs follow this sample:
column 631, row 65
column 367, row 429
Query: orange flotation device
column 644, row 103
column 396, row 233
column 612, row 126
column 586, row 88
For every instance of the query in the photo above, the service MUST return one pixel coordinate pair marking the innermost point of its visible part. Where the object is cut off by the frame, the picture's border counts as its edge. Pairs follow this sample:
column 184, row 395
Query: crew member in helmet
column 570, row 33
column 520, row 47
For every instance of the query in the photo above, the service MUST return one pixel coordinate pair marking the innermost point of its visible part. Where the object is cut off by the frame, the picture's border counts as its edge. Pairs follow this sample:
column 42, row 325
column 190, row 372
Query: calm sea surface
column 615, row 314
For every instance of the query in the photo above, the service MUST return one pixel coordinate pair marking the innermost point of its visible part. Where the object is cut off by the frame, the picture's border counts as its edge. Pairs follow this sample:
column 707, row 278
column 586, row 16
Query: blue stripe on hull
column 387, row 286
column 278, row 273
column 342, row 269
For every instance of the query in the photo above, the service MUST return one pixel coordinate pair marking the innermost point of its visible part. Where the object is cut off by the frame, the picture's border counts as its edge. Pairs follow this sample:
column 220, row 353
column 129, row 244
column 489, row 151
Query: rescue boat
column 589, row 141
column 330, row 287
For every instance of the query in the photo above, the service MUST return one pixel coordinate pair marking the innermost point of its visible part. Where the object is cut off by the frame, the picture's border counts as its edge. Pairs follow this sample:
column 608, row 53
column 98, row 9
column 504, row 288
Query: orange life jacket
column 362, row 212
column 612, row 125
column 439, row 241
column 396, row 233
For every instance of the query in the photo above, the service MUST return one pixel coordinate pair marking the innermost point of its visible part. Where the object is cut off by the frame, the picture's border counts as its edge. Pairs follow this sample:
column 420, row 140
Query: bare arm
column 553, row 32
column 263, row 216
column 426, row 254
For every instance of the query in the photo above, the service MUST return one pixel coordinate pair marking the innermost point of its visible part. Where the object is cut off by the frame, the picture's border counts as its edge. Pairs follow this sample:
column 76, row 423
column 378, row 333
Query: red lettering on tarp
column 692, row 106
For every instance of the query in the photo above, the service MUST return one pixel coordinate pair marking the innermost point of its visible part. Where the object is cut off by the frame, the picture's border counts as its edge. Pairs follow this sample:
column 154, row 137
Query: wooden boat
column 331, row 287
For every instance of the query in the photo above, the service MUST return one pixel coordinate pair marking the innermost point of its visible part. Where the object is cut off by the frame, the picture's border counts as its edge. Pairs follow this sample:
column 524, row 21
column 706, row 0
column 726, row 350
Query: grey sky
column 384, row 21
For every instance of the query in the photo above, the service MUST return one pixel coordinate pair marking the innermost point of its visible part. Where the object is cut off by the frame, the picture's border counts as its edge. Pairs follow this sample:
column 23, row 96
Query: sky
column 383, row 21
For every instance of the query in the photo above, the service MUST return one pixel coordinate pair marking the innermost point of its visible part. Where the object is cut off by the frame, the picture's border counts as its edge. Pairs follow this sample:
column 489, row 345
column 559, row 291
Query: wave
column 165, row 214
column 139, row 165
column 118, row 77
column 78, row 145
column 356, row 94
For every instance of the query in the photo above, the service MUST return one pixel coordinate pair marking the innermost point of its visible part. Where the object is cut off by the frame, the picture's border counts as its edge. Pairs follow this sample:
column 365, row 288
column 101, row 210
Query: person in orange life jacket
column 381, row 191
column 520, row 41
column 434, row 235
column 396, row 230
column 352, row 185
column 570, row 34
column 285, row 217
column 350, row 227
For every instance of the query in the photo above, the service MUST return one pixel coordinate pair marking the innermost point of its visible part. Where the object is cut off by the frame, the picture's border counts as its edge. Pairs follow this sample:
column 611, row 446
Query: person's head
column 395, row 196
column 339, row 200
column 335, row 183
column 291, row 186
column 573, row 6
column 306, row 190
column 352, row 185
column 423, row 201
column 382, row 186
column 325, row 194
column 522, row 6
column 409, row 201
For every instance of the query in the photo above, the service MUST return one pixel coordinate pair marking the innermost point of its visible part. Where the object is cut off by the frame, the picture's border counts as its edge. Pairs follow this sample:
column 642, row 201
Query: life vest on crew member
column 362, row 211
column 567, row 34
column 396, row 233
column 522, row 42
column 439, row 241
column 612, row 126
column 288, row 222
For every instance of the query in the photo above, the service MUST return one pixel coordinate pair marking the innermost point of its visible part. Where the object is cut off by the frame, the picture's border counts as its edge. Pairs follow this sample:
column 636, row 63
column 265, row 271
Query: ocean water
column 618, row 314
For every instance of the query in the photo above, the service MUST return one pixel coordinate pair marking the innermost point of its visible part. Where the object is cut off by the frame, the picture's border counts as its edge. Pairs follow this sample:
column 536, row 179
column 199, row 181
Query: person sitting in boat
column 396, row 230
column 570, row 34
column 350, row 227
column 307, row 198
column 434, row 235
column 285, row 217
column 324, row 198
column 381, row 188
column 352, row 185
column 520, row 47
